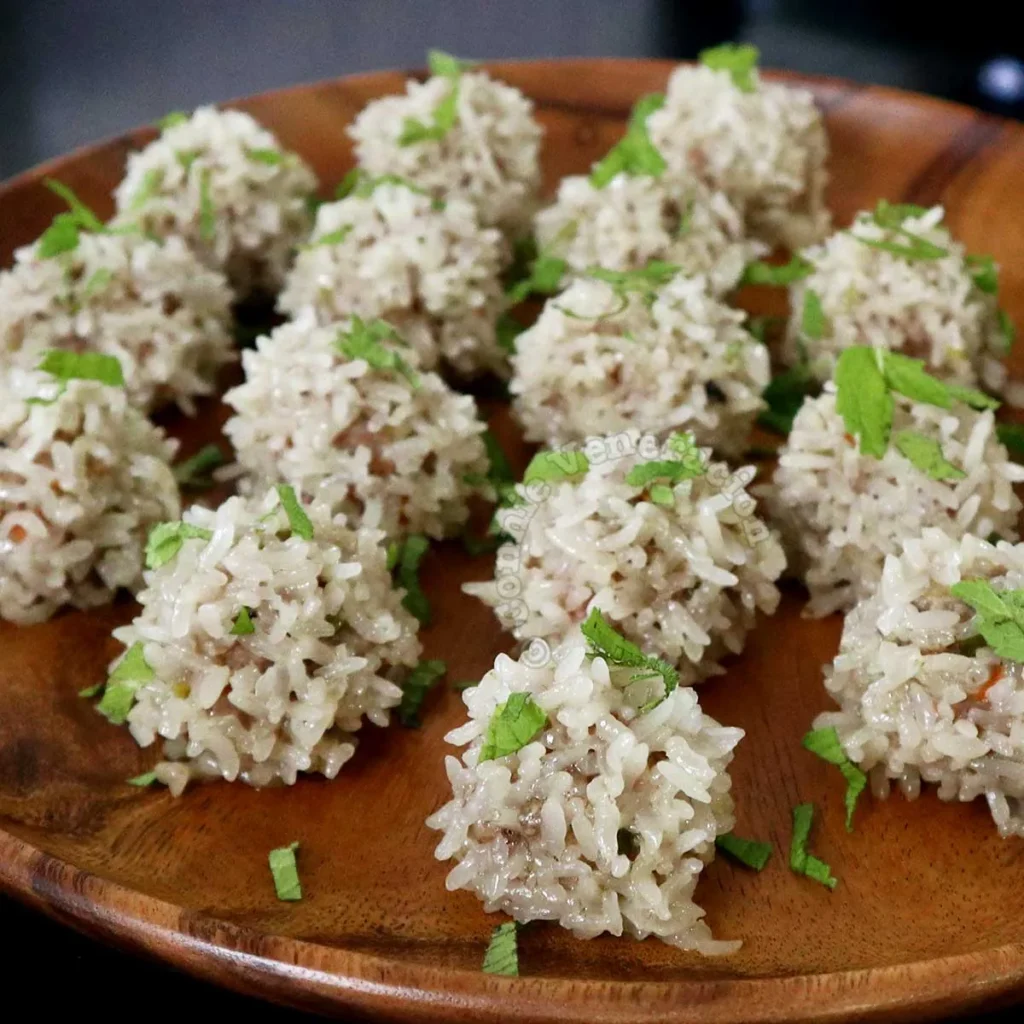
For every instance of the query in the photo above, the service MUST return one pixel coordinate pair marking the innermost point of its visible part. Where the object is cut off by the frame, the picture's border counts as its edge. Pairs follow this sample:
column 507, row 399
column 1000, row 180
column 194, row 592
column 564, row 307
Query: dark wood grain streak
column 927, row 917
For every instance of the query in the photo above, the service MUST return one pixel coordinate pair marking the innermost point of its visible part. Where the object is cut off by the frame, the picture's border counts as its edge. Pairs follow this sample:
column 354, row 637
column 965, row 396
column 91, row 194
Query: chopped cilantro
column 422, row 678
column 985, row 272
column 1007, row 330
column 813, row 321
column 748, row 852
column 890, row 217
column 243, row 624
column 686, row 464
column 1000, row 615
column 83, row 215
column 555, row 466
column 166, row 540
column 606, row 642
column 825, row 743
column 800, row 860
column 143, row 780
column 130, row 673
column 97, row 282
column 635, row 153
column 207, row 214
column 1012, row 436
column 513, row 724
column 739, row 59
column 172, row 120
column 445, row 65
column 67, row 366
column 507, row 330
column 784, row 397
column 364, row 341
column 502, row 956
column 63, row 234
column 297, row 519
column 544, row 271
column 152, row 181
column 270, row 157
column 331, row 238
column 760, row 272
column 644, row 282
column 926, row 454
column 404, row 560
column 285, row 872
column 91, row 691
column 446, row 112
column 194, row 472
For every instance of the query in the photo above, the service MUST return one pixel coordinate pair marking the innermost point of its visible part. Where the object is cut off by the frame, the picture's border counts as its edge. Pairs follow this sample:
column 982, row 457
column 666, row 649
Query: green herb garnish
column 364, row 341
column 891, row 217
column 194, row 472
column 926, row 454
column 606, row 642
column 243, row 624
column 999, row 618
column 507, row 330
column 331, row 238
column 97, row 282
column 785, row 396
column 131, row 672
column 513, row 724
column 166, row 540
column 502, row 956
column 270, row 157
column 748, row 852
column 285, row 872
column 825, row 743
column 66, row 366
column 152, row 181
column 544, row 271
column 760, row 272
column 207, row 214
column 1012, row 436
column 555, row 466
column 446, row 112
column 414, row 691
column 686, row 463
column 800, row 860
column 300, row 523
column 1007, row 330
column 813, row 322
column 143, row 780
column 635, row 153
column 64, row 232
column 739, row 59
column 985, row 272
column 172, row 120
column 404, row 560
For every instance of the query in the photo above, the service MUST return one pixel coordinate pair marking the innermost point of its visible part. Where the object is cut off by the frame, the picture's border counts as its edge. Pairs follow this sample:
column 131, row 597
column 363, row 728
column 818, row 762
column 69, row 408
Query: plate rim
column 313, row 976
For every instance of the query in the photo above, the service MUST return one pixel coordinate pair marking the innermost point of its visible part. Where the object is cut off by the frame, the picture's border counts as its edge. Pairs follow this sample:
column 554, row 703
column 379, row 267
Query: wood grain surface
column 928, row 917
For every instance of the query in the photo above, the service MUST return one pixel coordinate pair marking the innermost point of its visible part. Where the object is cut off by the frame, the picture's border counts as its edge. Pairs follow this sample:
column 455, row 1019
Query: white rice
column 635, row 219
column 766, row 149
column 155, row 307
column 680, row 362
column 684, row 581
column 490, row 156
column 536, row 833
column 913, row 708
column 81, row 482
column 331, row 646
column 928, row 309
column 393, row 456
column 433, row 273
column 842, row 513
column 260, row 210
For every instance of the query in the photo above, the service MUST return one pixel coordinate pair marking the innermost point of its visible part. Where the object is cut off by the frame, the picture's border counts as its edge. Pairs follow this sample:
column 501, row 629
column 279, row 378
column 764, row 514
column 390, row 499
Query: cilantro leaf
column 926, row 454
column 800, row 860
column 422, row 678
column 1008, row 331
column 364, row 341
column 606, row 642
column 404, row 560
column 243, row 624
column 67, row 366
column 760, row 272
column 1012, row 436
column 446, row 113
column 739, row 59
column 1000, row 615
column 285, row 871
column 555, row 466
column 300, row 523
column 64, row 232
column 270, row 157
column 507, row 330
column 502, row 956
column 97, row 282
column 207, row 213
column 863, row 399
column 892, row 215
column 813, row 322
column 748, row 852
column 82, row 214
column 513, row 724
column 644, row 282
column 909, row 377
column 985, row 272
column 331, row 238
column 166, row 540
column 193, row 472
column 635, row 153
column 152, row 180
column 785, row 396
column 143, row 780
column 447, row 66
column 172, row 120
column 129, row 674
column 826, row 745
column 687, row 462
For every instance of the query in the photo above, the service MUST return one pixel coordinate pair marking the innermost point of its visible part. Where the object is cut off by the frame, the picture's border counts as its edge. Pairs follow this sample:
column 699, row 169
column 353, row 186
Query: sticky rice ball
column 323, row 644
column 682, row 572
column 920, row 701
column 82, row 480
column 765, row 149
column 636, row 218
column 223, row 183
column 395, row 453
column 931, row 309
column 490, row 156
column 431, row 271
column 163, row 315
column 605, row 819
column 600, row 362
column 842, row 512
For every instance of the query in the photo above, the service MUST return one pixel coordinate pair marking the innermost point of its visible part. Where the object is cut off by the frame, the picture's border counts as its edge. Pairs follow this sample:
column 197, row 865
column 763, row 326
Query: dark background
column 72, row 71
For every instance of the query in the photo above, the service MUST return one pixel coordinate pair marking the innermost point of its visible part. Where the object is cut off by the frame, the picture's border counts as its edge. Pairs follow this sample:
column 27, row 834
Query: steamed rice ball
column 636, row 218
column 924, row 697
column 761, row 143
column 222, row 182
column 427, row 268
column 268, row 633
column 842, row 512
column 604, row 820
column 644, row 353
column 82, row 480
column 153, row 306
column 679, row 563
column 929, row 306
column 391, row 445
column 489, row 155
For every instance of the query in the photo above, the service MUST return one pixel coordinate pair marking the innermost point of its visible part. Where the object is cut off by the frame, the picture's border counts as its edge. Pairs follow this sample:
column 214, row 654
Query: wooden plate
column 928, row 917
